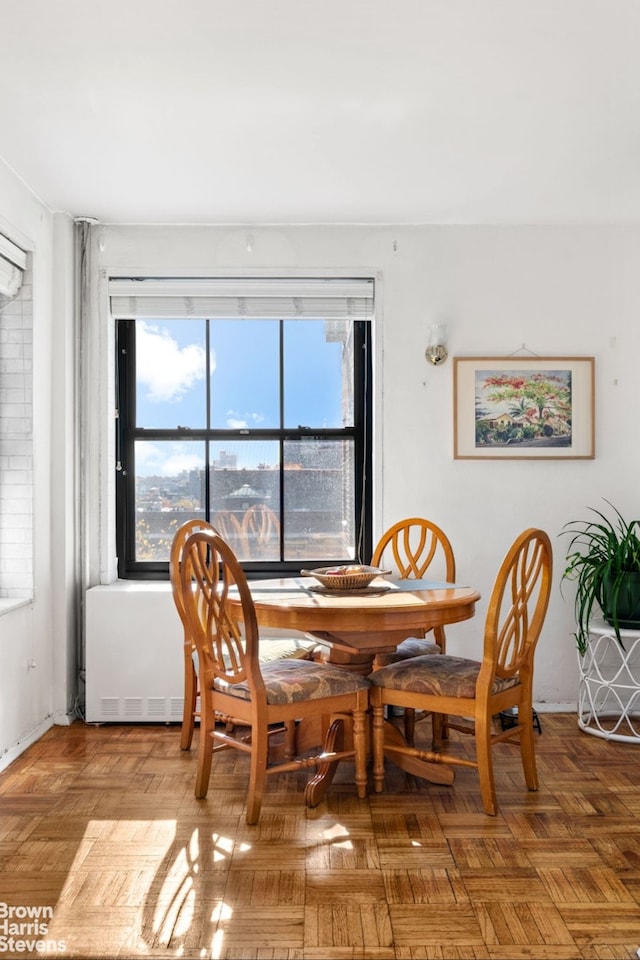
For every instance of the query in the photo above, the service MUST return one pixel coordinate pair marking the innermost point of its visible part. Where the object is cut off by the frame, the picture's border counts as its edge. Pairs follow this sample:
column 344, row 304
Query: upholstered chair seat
column 437, row 675
column 412, row 647
column 291, row 681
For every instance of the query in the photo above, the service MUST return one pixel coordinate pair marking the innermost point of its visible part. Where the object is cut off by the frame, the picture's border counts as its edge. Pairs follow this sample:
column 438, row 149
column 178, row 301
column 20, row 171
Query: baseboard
column 64, row 719
column 556, row 707
column 12, row 753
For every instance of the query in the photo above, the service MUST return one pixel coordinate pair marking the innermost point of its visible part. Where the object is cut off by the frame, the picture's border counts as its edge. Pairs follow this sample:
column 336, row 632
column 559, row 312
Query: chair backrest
column 230, row 529
column 210, row 571
column 181, row 536
column 517, row 609
column 415, row 545
column 261, row 527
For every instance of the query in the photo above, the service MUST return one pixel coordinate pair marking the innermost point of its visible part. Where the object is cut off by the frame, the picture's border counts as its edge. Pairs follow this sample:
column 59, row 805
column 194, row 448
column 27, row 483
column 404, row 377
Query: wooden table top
column 369, row 621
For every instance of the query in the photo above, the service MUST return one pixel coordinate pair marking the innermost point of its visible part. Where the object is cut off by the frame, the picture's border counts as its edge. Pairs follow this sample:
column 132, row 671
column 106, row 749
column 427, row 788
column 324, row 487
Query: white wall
column 37, row 674
column 557, row 290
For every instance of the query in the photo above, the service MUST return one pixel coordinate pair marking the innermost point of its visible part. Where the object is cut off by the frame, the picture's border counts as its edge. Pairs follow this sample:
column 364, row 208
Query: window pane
column 203, row 403
column 169, row 491
column 318, row 373
column 245, row 497
column 245, row 374
column 171, row 361
column 319, row 499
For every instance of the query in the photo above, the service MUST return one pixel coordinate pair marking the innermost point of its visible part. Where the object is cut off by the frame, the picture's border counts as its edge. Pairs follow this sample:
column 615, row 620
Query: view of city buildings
column 245, row 505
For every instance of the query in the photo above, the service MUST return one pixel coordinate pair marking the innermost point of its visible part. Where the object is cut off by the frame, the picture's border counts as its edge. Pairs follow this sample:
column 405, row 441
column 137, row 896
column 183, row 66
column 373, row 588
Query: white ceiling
column 324, row 111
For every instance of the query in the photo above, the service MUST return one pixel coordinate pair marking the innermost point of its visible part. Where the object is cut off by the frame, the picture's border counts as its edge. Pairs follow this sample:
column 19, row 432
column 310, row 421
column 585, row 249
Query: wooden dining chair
column 190, row 711
column 230, row 528
column 472, row 692
column 261, row 697
column 413, row 548
column 271, row 649
column 261, row 528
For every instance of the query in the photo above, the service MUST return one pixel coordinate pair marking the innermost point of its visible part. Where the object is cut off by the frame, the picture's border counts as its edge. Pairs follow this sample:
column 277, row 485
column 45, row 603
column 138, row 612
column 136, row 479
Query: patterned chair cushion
column 277, row 648
column 439, row 675
column 412, row 647
column 289, row 681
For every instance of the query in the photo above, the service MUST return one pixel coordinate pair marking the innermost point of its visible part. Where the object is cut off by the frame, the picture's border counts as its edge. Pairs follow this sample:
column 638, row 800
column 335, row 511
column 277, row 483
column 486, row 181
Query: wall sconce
column 436, row 352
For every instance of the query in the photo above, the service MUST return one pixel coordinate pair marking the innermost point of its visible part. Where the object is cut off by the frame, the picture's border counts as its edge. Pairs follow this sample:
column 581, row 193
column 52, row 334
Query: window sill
column 7, row 604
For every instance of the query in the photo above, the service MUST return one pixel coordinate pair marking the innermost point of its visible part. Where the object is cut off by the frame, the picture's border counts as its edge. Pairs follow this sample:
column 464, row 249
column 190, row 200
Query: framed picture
column 511, row 408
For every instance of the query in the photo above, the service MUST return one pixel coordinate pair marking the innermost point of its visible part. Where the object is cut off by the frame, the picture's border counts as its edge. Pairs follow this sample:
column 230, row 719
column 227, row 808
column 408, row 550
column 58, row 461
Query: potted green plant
column 603, row 559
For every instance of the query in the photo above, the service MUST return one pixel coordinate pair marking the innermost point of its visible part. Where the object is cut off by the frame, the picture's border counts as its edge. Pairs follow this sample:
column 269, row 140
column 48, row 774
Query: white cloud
column 178, row 462
column 148, row 456
column 239, row 421
column 165, row 368
column 167, row 459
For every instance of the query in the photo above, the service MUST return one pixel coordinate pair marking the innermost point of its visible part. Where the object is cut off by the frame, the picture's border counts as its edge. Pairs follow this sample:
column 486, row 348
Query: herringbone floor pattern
column 100, row 825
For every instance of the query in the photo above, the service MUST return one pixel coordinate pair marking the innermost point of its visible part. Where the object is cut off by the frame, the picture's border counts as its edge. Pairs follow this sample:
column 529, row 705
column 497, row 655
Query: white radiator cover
column 134, row 666
column 133, row 654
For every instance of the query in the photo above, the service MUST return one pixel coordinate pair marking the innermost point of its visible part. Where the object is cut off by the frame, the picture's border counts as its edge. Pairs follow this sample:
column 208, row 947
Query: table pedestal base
column 339, row 734
column 321, row 781
column 433, row 772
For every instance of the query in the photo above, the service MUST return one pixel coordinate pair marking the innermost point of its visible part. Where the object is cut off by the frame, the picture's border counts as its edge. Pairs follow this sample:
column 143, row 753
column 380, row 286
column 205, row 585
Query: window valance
column 246, row 298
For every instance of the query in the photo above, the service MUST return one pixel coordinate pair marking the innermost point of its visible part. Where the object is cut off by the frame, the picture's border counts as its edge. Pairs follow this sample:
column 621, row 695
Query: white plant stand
column 609, row 692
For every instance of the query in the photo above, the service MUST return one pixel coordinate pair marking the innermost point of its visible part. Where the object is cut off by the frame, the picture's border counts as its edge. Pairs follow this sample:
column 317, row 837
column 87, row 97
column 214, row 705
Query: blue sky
column 171, row 377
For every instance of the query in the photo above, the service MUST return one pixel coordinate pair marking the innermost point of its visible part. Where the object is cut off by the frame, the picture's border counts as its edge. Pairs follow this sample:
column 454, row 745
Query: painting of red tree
column 523, row 409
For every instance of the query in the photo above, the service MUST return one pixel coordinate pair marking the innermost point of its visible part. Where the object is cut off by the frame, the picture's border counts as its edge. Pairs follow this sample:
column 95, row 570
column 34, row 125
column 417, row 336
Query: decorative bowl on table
column 354, row 576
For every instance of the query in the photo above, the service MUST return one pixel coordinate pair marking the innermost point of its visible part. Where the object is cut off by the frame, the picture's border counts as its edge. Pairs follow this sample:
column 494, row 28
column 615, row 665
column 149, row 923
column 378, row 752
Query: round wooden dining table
column 358, row 624
column 355, row 625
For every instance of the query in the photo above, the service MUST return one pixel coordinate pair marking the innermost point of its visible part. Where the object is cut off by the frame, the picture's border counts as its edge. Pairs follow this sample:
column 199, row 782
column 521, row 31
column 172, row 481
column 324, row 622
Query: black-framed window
column 258, row 421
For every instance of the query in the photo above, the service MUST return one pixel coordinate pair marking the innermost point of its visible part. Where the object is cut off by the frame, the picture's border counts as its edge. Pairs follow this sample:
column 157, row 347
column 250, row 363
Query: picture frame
column 517, row 408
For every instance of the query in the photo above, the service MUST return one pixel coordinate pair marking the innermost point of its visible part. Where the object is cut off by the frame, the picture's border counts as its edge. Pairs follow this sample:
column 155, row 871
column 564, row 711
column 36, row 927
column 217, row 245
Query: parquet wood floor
column 100, row 829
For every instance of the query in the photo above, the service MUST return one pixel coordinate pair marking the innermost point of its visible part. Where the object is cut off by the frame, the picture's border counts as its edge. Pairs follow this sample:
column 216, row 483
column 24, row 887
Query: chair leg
column 377, row 722
column 189, row 709
column 441, row 640
column 205, row 748
column 437, row 730
column 527, row 749
column 360, row 750
column 257, row 773
column 290, row 739
column 410, row 725
column 485, row 765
